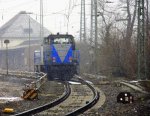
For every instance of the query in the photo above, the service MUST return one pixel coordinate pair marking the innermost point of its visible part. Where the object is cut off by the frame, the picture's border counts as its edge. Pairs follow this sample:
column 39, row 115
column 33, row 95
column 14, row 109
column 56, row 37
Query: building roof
column 18, row 27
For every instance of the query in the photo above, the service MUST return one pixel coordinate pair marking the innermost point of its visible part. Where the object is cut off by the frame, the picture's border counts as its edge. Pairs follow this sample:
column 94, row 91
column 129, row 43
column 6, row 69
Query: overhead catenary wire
column 13, row 7
column 69, row 10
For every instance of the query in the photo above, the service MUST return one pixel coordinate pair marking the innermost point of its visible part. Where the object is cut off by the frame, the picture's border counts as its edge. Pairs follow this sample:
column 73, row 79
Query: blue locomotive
column 60, row 57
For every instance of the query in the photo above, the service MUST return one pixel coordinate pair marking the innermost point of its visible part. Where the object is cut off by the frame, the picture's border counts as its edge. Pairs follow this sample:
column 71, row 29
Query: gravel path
column 140, row 107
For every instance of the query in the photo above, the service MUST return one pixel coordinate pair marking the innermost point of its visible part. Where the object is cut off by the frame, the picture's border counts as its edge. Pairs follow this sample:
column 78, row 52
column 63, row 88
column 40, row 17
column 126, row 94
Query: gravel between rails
column 79, row 95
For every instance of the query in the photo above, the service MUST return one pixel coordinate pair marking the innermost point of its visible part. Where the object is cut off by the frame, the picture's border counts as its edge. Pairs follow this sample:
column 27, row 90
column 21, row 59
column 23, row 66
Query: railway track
column 88, row 105
column 94, row 97
column 135, row 86
column 48, row 105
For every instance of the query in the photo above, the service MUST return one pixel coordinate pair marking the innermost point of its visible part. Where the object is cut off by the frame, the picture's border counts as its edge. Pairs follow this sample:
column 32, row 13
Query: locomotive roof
column 60, row 36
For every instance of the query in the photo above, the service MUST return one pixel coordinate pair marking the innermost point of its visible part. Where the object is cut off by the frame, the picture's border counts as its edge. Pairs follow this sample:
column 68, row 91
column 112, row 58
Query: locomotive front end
column 61, row 59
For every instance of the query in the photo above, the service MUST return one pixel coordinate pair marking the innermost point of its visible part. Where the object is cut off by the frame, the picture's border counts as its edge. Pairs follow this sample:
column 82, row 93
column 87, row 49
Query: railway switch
column 30, row 93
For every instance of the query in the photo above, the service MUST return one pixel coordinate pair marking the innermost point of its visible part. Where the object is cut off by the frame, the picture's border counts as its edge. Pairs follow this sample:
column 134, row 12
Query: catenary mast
column 141, row 41
column 82, row 22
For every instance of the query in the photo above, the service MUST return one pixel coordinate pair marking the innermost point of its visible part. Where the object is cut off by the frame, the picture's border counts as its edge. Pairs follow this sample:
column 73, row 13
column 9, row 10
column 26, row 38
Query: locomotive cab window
column 62, row 41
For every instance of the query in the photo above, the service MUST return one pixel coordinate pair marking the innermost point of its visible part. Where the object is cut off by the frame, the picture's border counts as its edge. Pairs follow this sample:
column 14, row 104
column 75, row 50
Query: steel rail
column 48, row 105
column 134, row 87
column 90, row 104
column 64, row 97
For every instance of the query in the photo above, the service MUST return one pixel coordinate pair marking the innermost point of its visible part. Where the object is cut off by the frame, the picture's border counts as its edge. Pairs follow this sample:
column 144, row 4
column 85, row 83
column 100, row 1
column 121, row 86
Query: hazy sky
column 55, row 12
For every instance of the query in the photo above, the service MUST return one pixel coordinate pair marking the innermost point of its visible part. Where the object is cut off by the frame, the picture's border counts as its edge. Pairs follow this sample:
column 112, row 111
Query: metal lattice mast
column 141, row 41
column 92, row 36
column 82, row 22
column 92, row 33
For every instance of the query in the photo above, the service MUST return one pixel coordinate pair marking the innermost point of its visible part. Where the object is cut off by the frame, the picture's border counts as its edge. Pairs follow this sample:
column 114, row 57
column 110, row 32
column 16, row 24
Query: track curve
column 48, row 105
column 90, row 104
column 66, row 94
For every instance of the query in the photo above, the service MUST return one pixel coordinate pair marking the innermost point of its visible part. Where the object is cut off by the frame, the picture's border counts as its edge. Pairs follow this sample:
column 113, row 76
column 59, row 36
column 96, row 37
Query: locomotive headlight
column 54, row 59
column 70, row 59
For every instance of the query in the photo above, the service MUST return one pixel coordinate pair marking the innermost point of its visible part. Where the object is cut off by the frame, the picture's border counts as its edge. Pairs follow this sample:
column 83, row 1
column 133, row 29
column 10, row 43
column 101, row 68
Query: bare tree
column 118, row 52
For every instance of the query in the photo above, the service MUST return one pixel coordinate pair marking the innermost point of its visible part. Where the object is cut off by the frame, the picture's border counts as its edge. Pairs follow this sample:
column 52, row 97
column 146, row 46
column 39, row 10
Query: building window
column 26, row 30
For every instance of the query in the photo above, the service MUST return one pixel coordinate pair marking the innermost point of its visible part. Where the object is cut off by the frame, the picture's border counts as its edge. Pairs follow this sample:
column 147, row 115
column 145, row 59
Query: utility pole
column 29, row 43
column 141, row 41
column 41, row 29
column 95, row 3
column 82, row 22
column 147, row 36
column 29, row 48
column 6, row 42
